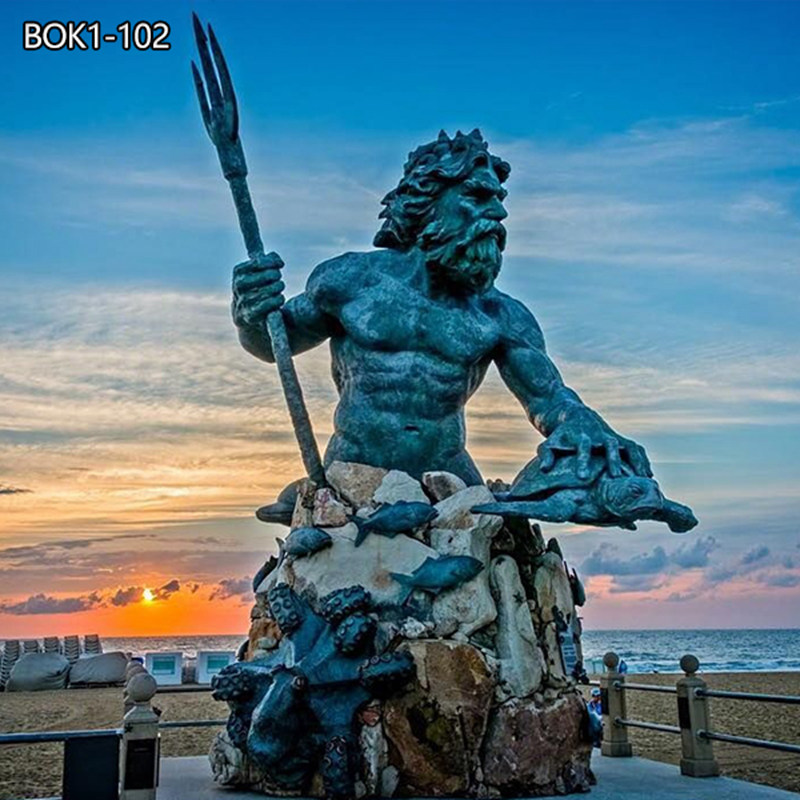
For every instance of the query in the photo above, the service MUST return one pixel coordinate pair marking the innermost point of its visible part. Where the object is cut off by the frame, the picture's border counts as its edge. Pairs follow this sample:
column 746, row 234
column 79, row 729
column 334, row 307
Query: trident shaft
column 221, row 118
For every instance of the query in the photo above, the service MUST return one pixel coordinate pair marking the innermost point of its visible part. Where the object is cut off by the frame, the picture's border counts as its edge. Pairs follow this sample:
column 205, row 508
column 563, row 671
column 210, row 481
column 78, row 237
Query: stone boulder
column 532, row 750
column 303, row 514
column 553, row 602
column 378, row 776
column 329, row 511
column 553, row 589
column 264, row 636
column 441, row 485
column 435, row 730
column 522, row 664
column 454, row 511
column 355, row 483
column 229, row 765
column 398, row 486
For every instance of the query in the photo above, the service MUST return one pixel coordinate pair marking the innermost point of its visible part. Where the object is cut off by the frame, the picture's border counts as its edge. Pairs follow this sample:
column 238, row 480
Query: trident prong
column 201, row 96
column 229, row 96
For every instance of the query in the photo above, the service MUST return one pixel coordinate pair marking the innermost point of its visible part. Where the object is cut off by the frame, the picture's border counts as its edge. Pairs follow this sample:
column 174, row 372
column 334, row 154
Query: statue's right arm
column 258, row 291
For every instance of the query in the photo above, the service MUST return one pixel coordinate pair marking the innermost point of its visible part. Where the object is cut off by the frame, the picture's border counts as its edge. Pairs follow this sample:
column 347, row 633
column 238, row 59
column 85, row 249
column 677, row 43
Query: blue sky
column 654, row 230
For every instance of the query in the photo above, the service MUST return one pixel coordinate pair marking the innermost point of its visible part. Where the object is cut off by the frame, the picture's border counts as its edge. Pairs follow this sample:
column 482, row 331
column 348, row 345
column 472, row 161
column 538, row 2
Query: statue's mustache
column 436, row 235
column 484, row 228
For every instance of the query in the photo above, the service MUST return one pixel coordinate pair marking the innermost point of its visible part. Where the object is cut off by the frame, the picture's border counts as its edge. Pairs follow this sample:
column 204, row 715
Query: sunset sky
column 654, row 231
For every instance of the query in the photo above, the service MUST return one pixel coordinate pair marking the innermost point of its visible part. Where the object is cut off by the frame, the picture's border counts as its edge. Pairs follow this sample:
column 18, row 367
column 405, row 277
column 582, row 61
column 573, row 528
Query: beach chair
column 31, row 646
column 11, row 651
column 52, row 644
column 72, row 648
column 91, row 644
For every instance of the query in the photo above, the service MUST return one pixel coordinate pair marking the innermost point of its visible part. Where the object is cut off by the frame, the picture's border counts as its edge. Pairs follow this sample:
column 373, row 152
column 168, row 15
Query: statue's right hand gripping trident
column 257, row 290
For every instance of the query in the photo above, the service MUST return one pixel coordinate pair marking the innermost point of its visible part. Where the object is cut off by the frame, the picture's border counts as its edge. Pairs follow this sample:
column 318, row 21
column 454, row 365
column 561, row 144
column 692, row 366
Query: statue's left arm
column 554, row 409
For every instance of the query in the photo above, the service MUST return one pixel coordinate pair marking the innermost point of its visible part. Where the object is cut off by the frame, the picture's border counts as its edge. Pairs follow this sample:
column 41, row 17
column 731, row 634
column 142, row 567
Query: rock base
column 467, row 690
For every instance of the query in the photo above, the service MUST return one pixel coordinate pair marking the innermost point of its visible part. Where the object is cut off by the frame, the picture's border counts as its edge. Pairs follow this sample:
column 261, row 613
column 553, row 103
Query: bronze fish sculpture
column 389, row 520
column 436, row 575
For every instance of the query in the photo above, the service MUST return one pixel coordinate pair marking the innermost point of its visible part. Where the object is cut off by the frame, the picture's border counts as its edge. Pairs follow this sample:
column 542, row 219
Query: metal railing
column 647, row 687
column 40, row 737
column 694, row 725
column 649, row 726
column 746, row 740
column 788, row 699
column 192, row 723
column 188, row 723
column 124, row 760
column 184, row 688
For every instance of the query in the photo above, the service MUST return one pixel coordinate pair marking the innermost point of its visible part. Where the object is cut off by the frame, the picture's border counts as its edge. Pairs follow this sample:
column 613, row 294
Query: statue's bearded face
column 464, row 242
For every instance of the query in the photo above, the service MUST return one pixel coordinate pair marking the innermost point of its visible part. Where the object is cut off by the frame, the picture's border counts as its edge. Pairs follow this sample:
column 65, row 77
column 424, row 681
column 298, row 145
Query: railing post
column 140, row 741
column 615, row 737
column 133, row 668
column 697, row 758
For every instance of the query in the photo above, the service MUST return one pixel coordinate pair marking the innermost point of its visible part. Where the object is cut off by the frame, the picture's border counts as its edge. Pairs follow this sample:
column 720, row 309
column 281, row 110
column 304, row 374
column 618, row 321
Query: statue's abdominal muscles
column 415, row 394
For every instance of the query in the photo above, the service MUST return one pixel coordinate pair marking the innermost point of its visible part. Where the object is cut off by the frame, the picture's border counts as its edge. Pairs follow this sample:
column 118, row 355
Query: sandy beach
column 35, row 771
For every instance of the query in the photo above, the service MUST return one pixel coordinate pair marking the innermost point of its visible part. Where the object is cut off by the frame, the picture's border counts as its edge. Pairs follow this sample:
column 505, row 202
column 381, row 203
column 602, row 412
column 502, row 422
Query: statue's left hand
column 583, row 431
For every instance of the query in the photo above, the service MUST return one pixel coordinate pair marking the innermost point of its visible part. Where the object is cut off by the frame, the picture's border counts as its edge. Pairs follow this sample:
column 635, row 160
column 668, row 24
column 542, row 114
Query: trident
column 221, row 118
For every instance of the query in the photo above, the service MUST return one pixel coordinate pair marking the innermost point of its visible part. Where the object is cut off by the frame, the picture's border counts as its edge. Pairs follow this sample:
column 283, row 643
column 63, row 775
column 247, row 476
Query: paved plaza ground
column 617, row 779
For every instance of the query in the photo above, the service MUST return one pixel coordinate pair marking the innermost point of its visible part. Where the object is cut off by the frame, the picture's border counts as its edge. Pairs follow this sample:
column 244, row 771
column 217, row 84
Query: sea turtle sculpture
column 558, row 495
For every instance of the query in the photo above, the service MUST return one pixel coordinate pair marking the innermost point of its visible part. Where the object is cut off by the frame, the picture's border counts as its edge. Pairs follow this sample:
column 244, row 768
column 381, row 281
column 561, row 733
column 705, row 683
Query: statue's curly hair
column 430, row 169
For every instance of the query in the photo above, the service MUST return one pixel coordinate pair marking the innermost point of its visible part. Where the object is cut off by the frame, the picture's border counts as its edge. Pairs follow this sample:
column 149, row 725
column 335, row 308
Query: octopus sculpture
column 295, row 712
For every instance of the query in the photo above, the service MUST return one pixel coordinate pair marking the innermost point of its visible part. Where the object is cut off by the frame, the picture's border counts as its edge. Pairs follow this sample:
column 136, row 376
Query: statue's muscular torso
column 405, row 359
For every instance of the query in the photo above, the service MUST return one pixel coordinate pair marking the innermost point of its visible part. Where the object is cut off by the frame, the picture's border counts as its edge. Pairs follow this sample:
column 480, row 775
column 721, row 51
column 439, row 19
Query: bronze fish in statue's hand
column 436, row 575
column 305, row 541
column 399, row 517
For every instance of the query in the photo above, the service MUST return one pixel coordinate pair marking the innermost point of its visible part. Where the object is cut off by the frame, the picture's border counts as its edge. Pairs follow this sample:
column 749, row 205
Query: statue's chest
column 397, row 318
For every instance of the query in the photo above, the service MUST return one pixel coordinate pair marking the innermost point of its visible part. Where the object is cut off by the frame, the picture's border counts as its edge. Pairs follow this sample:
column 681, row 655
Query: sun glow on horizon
column 148, row 596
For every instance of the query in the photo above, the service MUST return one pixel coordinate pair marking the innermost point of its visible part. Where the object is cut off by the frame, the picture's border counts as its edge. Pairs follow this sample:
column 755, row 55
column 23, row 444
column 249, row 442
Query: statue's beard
column 468, row 260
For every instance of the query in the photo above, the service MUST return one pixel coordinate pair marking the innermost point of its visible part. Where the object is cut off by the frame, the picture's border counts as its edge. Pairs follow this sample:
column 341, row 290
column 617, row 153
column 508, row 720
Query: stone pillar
column 140, row 741
column 693, row 716
column 615, row 737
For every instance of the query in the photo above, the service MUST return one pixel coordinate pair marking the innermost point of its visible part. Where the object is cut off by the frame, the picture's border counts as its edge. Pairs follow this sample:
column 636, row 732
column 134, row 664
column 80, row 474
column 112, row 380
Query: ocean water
column 643, row 651
column 717, row 650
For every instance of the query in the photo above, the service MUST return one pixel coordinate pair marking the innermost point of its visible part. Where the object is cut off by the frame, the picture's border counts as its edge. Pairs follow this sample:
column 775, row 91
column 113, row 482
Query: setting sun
column 148, row 596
